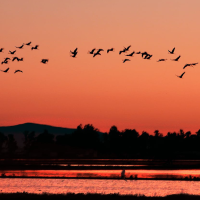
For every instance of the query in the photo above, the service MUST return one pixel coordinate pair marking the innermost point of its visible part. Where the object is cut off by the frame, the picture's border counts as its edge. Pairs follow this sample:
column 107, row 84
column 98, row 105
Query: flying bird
column 92, row 51
column 97, row 53
column 181, row 75
column 127, row 48
column 35, row 47
column 138, row 52
column 191, row 64
column 1, row 49
column 126, row 60
column 122, row 51
column 161, row 60
column 20, row 46
column 176, row 59
column 74, row 52
column 172, row 51
column 187, row 65
column 15, row 58
column 18, row 71
column 44, row 61
column 18, row 59
column 5, row 70
column 28, row 43
column 4, row 62
column 144, row 53
column 110, row 50
column 6, row 59
column 131, row 54
column 12, row 52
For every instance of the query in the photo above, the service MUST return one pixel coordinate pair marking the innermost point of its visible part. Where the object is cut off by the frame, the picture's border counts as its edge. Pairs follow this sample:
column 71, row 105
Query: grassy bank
column 70, row 196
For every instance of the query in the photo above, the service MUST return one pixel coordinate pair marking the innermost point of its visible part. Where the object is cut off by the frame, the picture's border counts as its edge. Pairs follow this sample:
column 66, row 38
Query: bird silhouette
column 20, row 46
column 74, row 52
column 5, row 59
column 126, row 60
column 110, row 50
column 12, row 52
column 138, row 52
column 18, row 71
column 18, row 59
column 92, row 51
column 28, row 43
column 144, row 53
column 172, row 51
column 187, row 65
column 176, row 59
column 5, row 70
column 122, row 51
column 44, row 61
column 1, row 49
column 131, row 54
column 15, row 58
column 97, row 53
column 4, row 62
column 127, row 48
column 191, row 64
column 35, row 47
column 181, row 75
column 161, row 60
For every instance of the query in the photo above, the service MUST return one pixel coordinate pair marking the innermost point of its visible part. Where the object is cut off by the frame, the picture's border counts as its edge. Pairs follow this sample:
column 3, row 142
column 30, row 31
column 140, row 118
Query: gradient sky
column 103, row 91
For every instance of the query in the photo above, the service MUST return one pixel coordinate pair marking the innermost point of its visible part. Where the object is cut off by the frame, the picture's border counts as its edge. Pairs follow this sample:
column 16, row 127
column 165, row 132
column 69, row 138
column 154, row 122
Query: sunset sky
column 140, row 94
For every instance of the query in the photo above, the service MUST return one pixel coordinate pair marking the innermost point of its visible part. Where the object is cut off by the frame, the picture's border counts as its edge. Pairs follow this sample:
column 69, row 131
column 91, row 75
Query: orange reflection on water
column 102, row 173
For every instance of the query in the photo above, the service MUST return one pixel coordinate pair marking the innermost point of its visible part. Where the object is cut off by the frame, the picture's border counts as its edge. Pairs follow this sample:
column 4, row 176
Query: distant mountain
column 38, row 128
column 18, row 130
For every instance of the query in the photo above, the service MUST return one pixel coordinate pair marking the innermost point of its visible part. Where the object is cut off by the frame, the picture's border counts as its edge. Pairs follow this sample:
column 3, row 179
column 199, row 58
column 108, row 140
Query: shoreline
column 80, row 196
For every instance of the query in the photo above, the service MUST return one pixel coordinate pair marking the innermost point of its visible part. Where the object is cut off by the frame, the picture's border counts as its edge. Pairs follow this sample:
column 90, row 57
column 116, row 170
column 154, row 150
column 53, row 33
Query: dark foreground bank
column 70, row 196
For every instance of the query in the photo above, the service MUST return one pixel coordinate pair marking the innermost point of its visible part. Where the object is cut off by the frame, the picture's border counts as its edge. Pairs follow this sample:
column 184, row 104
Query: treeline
column 88, row 142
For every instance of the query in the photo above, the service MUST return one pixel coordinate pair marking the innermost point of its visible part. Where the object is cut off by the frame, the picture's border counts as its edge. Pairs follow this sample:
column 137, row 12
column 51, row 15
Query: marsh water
column 62, row 186
column 59, row 181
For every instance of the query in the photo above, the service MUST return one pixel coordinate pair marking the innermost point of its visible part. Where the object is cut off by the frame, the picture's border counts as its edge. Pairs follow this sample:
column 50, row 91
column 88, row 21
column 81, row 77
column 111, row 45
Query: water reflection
column 149, row 174
column 62, row 186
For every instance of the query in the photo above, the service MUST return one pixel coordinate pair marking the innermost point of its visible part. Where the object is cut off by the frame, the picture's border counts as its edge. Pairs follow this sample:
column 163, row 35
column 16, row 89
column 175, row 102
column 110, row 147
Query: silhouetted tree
column 45, row 138
column 157, row 133
column 3, row 139
column 115, row 139
column 198, row 133
column 29, row 139
column 11, row 144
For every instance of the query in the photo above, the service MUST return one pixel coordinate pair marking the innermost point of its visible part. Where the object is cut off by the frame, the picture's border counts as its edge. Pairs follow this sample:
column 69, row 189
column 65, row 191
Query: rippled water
column 60, row 186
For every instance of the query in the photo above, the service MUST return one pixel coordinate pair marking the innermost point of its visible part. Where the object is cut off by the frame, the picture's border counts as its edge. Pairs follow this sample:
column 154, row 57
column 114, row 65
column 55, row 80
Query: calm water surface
column 62, row 186
column 140, row 173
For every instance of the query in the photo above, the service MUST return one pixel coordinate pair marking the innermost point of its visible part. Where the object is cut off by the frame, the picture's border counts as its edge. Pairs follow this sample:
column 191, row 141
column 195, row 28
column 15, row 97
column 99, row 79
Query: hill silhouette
column 18, row 130
column 38, row 128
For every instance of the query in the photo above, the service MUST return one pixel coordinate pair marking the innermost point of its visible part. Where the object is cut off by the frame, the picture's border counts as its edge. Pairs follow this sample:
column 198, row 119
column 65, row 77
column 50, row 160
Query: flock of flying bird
column 5, row 61
column 145, row 55
column 94, row 52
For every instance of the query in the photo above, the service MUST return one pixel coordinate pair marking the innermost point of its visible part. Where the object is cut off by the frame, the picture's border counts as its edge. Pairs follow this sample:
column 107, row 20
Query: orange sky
column 103, row 91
